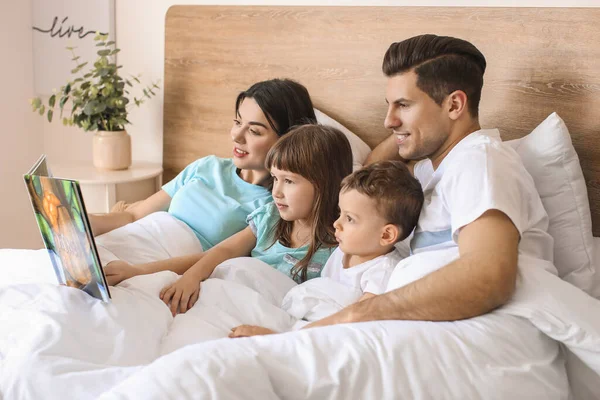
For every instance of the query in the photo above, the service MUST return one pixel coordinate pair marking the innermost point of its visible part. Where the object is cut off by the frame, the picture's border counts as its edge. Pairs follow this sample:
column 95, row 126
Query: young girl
column 294, row 233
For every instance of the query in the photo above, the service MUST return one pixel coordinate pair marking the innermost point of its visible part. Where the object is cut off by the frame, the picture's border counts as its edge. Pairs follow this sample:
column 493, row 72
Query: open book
column 66, row 231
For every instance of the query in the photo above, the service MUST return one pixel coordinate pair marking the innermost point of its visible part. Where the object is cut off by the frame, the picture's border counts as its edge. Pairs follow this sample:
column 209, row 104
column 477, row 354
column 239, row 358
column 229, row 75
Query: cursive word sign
column 70, row 30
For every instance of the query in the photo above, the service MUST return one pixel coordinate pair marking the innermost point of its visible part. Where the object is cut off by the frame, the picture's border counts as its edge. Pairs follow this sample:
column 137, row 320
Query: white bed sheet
column 57, row 342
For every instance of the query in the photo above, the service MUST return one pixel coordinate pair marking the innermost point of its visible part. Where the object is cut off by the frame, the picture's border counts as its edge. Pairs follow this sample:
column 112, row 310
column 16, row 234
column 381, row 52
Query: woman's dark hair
column 322, row 155
column 284, row 102
column 443, row 64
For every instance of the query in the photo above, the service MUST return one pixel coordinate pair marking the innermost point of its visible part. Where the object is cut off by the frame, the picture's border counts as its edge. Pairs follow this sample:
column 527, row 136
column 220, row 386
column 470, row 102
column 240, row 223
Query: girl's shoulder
column 263, row 218
column 318, row 261
column 266, row 210
column 324, row 253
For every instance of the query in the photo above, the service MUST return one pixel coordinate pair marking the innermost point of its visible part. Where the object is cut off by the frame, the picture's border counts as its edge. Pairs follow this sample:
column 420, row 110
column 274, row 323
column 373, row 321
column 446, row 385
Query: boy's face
column 360, row 227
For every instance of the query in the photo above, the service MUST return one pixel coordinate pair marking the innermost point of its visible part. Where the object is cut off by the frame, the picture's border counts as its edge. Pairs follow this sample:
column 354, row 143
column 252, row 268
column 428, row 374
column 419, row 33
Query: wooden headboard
column 540, row 60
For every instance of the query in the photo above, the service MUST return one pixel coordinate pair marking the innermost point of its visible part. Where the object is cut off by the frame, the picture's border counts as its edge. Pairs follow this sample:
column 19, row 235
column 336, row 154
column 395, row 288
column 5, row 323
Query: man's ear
column 389, row 235
column 457, row 104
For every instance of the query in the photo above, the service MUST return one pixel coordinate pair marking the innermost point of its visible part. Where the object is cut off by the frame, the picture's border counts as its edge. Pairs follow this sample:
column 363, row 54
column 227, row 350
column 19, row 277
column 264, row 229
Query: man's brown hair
column 443, row 65
column 397, row 194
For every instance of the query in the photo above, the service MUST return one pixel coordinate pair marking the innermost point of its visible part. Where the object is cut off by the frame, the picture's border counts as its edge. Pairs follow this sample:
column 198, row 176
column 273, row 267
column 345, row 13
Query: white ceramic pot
column 112, row 150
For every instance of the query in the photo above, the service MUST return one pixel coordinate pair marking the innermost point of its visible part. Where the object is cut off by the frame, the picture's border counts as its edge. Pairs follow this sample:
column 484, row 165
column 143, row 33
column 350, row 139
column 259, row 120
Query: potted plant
column 99, row 103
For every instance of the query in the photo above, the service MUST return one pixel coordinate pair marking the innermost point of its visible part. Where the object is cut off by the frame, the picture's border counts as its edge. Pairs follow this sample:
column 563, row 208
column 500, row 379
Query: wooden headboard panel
column 540, row 60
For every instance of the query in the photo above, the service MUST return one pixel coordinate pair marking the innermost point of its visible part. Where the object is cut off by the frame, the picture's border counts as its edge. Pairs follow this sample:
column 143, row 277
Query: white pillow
column 548, row 155
column 596, row 281
column 360, row 150
column 566, row 315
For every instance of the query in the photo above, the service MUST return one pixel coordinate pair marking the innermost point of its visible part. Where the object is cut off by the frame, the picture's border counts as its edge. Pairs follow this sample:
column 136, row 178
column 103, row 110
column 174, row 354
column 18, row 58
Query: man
column 478, row 196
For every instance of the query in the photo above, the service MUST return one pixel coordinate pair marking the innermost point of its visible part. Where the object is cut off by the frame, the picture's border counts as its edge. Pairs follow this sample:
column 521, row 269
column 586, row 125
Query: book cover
column 62, row 219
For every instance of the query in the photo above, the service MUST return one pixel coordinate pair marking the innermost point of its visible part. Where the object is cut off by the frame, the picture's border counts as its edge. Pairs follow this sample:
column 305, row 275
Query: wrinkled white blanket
column 57, row 342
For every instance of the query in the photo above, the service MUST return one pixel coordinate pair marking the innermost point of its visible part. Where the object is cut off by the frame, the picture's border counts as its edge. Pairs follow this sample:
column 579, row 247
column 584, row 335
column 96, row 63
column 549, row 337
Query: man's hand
column 117, row 271
column 181, row 295
column 249, row 330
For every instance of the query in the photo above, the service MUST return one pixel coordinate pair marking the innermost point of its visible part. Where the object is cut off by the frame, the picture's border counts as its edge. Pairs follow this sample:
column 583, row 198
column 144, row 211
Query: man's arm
column 481, row 279
column 386, row 150
column 366, row 296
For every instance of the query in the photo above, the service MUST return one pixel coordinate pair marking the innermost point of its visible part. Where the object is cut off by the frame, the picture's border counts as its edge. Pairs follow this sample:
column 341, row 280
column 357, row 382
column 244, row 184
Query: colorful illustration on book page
column 60, row 219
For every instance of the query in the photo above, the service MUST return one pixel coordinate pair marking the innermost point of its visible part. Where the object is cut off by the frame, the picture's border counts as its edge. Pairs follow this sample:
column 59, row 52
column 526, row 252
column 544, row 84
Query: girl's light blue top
column 262, row 222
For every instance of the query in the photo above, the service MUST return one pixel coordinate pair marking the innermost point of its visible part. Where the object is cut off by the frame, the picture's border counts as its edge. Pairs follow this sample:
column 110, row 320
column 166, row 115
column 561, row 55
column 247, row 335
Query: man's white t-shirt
column 479, row 174
column 371, row 276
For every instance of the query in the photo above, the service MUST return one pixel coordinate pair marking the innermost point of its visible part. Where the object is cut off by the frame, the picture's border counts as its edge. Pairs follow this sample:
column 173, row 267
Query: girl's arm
column 102, row 223
column 184, row 293
column 238, row 245
column 117, row 271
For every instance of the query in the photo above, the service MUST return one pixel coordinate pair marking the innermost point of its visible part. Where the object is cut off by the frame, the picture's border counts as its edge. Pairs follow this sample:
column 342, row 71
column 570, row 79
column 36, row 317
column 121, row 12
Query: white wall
column 140, row 28
column 21, row 135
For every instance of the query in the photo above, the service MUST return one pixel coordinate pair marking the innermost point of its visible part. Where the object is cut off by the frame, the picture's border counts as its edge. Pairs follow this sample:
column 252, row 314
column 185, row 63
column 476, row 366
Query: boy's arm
column 249, row 330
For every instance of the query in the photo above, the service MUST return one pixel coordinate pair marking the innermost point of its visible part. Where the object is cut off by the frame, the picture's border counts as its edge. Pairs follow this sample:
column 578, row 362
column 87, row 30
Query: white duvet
column 59, row 343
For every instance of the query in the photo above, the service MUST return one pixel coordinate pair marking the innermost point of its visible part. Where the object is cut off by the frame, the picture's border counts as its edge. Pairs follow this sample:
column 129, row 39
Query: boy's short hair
column 397, row 194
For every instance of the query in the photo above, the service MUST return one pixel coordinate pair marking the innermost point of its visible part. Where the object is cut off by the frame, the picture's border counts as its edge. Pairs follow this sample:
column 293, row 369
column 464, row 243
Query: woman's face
column 252, row 136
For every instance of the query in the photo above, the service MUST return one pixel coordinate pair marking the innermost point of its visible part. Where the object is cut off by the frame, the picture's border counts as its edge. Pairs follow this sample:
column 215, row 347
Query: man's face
column 420, row 125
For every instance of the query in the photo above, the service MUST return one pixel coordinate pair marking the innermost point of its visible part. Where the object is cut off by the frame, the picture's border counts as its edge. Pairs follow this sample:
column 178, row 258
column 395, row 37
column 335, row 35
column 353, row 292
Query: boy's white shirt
column 337, row 287
column 369, row 277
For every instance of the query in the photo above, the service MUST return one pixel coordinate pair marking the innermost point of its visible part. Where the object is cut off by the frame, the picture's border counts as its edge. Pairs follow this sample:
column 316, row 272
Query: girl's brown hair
column 322, row 155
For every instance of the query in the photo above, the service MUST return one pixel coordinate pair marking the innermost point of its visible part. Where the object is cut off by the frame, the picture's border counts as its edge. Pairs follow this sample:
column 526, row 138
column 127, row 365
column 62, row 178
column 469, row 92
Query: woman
column 214, row 196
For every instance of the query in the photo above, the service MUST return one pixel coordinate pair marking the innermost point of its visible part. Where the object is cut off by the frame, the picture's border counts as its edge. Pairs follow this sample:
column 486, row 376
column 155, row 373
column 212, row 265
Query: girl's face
column 252, row 136
column 293, row 194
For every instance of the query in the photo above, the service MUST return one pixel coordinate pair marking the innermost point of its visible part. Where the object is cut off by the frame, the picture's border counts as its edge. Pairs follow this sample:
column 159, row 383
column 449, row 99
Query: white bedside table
column 102, row 189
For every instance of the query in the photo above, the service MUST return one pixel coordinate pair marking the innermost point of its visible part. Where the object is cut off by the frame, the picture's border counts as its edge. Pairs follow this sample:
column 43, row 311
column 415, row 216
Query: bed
column 56, row 342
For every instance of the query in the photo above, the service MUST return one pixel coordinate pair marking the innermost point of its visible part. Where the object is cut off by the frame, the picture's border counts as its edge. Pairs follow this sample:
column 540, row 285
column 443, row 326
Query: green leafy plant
column 99, row 97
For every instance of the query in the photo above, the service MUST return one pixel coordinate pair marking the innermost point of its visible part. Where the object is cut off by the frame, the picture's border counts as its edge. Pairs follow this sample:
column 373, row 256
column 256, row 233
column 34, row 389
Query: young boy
column 379, row 207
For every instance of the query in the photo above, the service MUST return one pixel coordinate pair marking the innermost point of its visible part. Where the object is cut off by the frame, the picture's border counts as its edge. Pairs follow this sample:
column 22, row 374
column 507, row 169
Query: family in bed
column 288, row 197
